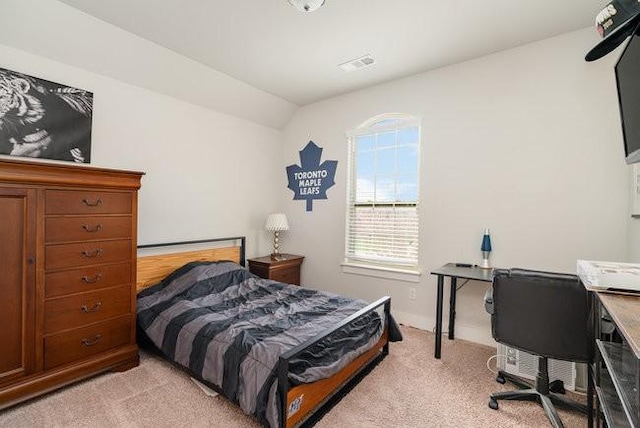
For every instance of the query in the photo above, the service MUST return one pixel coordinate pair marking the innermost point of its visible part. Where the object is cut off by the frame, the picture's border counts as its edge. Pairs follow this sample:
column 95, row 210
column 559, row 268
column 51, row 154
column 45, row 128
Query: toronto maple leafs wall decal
column 311, row 179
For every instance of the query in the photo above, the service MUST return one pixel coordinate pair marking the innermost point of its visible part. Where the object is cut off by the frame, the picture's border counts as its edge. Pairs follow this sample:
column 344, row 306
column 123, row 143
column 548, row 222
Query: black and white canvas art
column 43, row 119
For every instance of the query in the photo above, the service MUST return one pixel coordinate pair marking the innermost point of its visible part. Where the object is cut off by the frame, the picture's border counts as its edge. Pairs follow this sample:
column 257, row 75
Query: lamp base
column 485, row 264
column 276, row 246
column 278, row 257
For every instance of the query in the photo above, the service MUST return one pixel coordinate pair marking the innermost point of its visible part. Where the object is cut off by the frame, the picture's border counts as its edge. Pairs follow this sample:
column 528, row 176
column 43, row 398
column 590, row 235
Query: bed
column 283, row 353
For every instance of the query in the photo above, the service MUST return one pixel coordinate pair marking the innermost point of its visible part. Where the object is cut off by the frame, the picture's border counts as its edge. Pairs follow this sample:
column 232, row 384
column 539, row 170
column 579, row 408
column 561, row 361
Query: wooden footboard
column 303, row 400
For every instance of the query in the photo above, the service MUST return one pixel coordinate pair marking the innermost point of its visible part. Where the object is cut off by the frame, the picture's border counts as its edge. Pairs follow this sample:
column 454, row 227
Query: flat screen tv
column 628, row 80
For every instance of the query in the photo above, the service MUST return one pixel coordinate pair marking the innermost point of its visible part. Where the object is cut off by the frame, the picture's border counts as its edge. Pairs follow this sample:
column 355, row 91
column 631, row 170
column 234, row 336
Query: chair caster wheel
column 557, row 386
column 500, row 379
column 493, row 404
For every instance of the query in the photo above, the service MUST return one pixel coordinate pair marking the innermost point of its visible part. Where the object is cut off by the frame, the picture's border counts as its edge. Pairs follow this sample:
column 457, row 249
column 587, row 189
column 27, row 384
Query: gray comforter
column 228, row 327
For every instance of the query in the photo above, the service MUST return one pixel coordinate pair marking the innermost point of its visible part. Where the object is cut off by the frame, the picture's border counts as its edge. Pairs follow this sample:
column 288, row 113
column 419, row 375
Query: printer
column 611, row 276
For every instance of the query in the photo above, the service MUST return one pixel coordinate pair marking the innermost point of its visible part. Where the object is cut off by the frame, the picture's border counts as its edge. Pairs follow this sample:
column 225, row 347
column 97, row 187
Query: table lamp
column 276, row 222
column 486, row 249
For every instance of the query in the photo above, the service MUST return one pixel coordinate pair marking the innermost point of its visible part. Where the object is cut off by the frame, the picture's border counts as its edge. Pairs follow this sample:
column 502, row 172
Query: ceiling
column 271, row 46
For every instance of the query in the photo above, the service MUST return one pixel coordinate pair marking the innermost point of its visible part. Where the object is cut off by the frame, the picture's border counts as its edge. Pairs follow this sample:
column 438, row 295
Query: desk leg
column 452, row 307
column 439, row 316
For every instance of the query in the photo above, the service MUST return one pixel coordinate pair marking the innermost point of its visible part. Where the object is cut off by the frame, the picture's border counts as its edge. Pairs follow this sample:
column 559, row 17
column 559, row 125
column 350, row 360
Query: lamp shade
column 276, row 222
column 486, row 241
column 306, row 5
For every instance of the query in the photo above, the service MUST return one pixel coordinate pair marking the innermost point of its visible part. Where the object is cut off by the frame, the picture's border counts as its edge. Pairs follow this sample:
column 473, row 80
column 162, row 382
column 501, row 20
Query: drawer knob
column 90, row 229
column 91, row 254
column 96, row 307
column 90, row 203
column 89, row 342
column 91, row 280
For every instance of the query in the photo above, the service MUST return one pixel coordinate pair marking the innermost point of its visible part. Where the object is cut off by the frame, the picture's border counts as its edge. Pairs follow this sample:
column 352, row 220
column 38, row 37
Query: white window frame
column 368, row 265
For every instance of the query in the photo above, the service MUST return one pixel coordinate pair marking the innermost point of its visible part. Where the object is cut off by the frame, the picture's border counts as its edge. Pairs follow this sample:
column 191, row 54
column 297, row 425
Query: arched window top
column 385, row 121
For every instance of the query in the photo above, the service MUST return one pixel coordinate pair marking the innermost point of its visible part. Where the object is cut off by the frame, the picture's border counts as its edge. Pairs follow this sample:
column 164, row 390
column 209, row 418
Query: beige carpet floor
column 407, row 389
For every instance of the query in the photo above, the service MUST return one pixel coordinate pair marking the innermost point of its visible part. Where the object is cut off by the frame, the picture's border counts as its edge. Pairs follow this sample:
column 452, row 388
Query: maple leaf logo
column 311, row 179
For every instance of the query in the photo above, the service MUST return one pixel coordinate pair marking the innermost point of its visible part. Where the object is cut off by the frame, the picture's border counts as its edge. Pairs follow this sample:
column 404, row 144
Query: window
column 382, row 204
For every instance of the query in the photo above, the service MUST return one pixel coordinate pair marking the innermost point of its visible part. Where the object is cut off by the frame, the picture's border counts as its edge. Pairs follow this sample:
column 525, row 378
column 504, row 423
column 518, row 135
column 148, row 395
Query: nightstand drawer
column 289, row 275
column 86, row 308
column 87, row 202
column 87, row 341
column 66, row 229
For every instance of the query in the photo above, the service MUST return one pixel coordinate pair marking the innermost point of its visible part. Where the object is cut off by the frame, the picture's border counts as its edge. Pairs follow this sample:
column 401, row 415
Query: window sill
column 408, row 275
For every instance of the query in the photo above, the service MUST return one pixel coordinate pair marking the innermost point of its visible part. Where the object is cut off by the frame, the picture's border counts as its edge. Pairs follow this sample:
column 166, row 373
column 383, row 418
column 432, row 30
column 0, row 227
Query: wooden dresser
column 285, row 269
column 68, row 237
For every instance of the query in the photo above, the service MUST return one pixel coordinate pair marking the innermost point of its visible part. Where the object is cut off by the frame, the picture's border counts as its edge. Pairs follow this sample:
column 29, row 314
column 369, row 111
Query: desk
column 616, row 369
column 454, row 272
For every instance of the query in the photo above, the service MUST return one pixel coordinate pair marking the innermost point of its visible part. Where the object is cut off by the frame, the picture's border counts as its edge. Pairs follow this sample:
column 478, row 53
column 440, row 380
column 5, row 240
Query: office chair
column 547, row 315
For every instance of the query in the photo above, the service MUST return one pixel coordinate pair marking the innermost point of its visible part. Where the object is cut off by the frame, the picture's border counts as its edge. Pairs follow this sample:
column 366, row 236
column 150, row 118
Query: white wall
column 208, row 174
column 526, row 142
column 59, row 32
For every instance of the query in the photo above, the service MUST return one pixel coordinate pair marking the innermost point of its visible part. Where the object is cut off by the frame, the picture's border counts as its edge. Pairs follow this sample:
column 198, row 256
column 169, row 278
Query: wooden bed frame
column 305, row 403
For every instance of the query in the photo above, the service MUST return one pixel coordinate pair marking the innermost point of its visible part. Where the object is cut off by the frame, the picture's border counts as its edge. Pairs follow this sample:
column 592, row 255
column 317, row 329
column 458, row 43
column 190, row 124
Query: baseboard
column 472, row 333
column 412, row 320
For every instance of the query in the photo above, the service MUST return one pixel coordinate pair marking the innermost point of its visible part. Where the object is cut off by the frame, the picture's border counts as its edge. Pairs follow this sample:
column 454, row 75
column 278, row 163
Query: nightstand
column 286, row 269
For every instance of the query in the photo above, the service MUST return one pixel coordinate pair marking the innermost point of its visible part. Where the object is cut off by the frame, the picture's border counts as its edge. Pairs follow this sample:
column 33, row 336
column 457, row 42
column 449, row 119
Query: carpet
column 409, row 388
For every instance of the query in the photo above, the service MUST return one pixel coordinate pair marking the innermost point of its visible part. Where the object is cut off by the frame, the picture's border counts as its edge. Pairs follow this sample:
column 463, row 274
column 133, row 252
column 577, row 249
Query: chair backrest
column 542, row 313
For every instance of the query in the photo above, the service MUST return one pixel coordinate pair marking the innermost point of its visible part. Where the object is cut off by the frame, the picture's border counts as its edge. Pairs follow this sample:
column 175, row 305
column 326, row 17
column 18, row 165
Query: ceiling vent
column 358, row 63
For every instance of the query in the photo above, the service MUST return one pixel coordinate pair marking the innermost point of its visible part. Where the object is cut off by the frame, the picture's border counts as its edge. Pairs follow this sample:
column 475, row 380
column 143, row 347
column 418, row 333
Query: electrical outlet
column 412, row 293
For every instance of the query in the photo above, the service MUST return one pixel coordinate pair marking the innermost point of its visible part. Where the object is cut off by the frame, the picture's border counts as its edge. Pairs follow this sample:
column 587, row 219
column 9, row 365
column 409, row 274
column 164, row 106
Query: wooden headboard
column 152, row 268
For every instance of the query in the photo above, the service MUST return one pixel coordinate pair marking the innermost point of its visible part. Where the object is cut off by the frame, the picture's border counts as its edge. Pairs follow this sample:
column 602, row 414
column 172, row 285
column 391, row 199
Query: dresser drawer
column 86, row 279
column 288, row 276
column 81, row 309
column 87, row 202
column 84, row 254
column 65, row 229
column 86, row 341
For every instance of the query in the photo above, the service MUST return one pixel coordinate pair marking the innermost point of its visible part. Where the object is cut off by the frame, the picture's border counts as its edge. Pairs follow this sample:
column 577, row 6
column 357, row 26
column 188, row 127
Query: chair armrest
column 488, row 301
